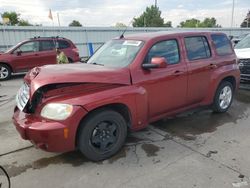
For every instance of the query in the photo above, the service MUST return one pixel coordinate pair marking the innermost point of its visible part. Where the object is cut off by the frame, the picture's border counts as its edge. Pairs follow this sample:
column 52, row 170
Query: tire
column 102, row 134
column 70, row 60
column 5, row 72
column 223, row 97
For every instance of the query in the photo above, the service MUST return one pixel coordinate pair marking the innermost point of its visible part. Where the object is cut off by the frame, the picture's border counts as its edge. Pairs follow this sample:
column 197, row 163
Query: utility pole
column 155, row 3
column 58, row 19
column 232, row 18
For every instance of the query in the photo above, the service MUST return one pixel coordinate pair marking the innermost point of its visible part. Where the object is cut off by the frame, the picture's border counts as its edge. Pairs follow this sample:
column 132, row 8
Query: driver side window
column 167, row 49
column 28, row 47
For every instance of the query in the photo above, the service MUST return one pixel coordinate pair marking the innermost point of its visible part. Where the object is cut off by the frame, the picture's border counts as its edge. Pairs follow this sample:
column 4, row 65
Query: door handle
column 178, row 73
column 36, row 54
column 212, row 66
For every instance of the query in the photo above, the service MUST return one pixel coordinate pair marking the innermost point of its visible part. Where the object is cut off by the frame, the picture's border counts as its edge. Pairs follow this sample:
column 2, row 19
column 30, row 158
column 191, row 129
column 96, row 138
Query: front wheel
column 5, row 72
column 223, row 97
column 102, row 134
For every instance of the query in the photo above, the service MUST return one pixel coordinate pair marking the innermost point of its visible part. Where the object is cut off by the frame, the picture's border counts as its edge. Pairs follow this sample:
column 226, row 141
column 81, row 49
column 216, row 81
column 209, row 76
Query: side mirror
column 19, row 52
column 156, row 62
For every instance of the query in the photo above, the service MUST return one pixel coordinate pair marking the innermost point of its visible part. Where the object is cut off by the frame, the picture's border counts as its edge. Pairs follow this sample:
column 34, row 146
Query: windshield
column 12, row 47
column 244, row 43
column 116, row 53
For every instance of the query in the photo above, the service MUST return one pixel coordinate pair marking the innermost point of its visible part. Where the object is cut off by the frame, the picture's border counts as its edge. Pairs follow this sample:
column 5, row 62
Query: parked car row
column 37, row 51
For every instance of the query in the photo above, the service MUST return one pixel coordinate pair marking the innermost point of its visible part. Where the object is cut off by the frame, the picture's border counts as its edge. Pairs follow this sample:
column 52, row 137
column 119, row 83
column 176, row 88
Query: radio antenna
column 122, row 35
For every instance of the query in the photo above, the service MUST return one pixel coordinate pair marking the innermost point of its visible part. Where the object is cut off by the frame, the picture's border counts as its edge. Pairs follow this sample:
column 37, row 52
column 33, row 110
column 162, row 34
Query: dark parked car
column 35, row 52
column 242, row 50
column 128, row 83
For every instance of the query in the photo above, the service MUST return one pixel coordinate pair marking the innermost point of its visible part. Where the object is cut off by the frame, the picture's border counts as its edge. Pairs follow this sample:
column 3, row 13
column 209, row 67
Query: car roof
column 151, row 35
column 45, row 38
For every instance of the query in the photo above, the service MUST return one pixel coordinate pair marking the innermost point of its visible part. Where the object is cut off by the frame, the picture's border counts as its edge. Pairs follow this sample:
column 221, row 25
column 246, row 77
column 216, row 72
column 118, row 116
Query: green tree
column 207, row 22
column 119, row 24
column 151, row 17
column 75, row 23
column 246, row 21
column 190, row 23
column 13, row 17
column 24, row 23
column 168, row 24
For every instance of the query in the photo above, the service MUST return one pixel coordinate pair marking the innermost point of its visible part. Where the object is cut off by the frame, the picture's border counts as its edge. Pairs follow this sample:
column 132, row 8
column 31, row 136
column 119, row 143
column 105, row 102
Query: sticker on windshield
column 131, row 42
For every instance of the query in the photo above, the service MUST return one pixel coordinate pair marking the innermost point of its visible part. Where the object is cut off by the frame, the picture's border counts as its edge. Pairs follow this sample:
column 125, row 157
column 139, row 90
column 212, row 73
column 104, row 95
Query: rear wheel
column 223, row 97
column 5, row 72
column 102, row 134
column 70, row 60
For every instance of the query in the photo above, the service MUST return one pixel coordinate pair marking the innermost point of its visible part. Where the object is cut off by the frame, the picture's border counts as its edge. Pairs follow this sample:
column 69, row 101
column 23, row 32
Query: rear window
column 222, row 44
column 63, row 44
column 197, row 47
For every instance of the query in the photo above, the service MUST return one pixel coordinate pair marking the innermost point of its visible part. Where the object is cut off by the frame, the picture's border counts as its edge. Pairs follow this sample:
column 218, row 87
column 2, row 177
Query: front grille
column 23, row 96
column 244, row 65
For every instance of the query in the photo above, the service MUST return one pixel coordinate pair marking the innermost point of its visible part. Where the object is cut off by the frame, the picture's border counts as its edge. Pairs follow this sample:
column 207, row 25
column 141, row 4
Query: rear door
column 47, row 52
column 200, row 64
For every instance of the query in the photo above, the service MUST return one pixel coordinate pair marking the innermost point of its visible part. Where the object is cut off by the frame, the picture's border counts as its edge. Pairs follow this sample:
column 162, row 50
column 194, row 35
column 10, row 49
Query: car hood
column 75, row 73
column 4, row 56
column 243, row 53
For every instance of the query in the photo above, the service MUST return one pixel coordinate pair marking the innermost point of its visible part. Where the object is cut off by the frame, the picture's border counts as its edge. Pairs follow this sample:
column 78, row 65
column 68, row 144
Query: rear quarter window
column 222, row 44
column 63, row 44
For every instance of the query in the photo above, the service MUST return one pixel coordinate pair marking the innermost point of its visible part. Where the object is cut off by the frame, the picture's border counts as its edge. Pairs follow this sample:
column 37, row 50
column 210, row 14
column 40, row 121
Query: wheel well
column 118, row 107
column 7, row 65
column 230, row 79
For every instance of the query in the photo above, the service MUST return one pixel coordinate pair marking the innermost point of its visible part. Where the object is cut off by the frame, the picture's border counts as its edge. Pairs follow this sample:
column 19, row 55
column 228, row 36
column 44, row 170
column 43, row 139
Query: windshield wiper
column 97, row 64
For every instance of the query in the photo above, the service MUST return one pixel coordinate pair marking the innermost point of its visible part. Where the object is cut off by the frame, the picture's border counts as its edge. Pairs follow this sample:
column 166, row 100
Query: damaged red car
column 128, row 83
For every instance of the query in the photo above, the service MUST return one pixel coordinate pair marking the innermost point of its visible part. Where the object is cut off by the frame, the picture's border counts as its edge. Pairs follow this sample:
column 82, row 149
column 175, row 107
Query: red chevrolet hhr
column 128, row 83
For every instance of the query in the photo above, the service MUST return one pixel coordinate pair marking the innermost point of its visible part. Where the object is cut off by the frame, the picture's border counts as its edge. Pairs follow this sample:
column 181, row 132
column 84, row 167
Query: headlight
column 56, row 111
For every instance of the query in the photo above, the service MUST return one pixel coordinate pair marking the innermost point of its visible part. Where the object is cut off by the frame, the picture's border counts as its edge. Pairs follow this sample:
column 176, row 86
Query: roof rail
column 53, row 37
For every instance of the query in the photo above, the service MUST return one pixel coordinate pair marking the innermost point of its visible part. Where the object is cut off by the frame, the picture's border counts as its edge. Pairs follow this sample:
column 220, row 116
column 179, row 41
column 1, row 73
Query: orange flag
column 50, row 15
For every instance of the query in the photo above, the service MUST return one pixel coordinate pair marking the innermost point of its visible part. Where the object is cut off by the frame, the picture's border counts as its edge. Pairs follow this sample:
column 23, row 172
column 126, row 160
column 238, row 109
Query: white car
column 242, row 50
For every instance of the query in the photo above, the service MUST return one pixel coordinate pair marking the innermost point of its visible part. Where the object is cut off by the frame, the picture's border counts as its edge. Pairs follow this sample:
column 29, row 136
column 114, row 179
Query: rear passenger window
column 197, row 48
column 168, row 49
column 46, row 45
column 63, row 44
column 222, row 44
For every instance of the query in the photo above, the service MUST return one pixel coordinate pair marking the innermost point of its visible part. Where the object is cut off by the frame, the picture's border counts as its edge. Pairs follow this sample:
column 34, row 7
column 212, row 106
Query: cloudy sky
column 109, row 12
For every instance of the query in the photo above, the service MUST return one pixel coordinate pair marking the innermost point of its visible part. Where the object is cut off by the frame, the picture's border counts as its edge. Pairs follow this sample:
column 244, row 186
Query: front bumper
column 244, row 65
column 54, row 136
column 245, row 77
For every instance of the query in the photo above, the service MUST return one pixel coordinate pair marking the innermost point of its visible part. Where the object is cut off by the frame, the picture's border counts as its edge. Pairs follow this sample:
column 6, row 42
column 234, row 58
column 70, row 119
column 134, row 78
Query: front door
column 166, row 87
column 26, row 56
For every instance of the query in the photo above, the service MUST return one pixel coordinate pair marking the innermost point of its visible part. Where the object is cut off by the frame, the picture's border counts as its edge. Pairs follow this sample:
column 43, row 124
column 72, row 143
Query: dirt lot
column 195, row 149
